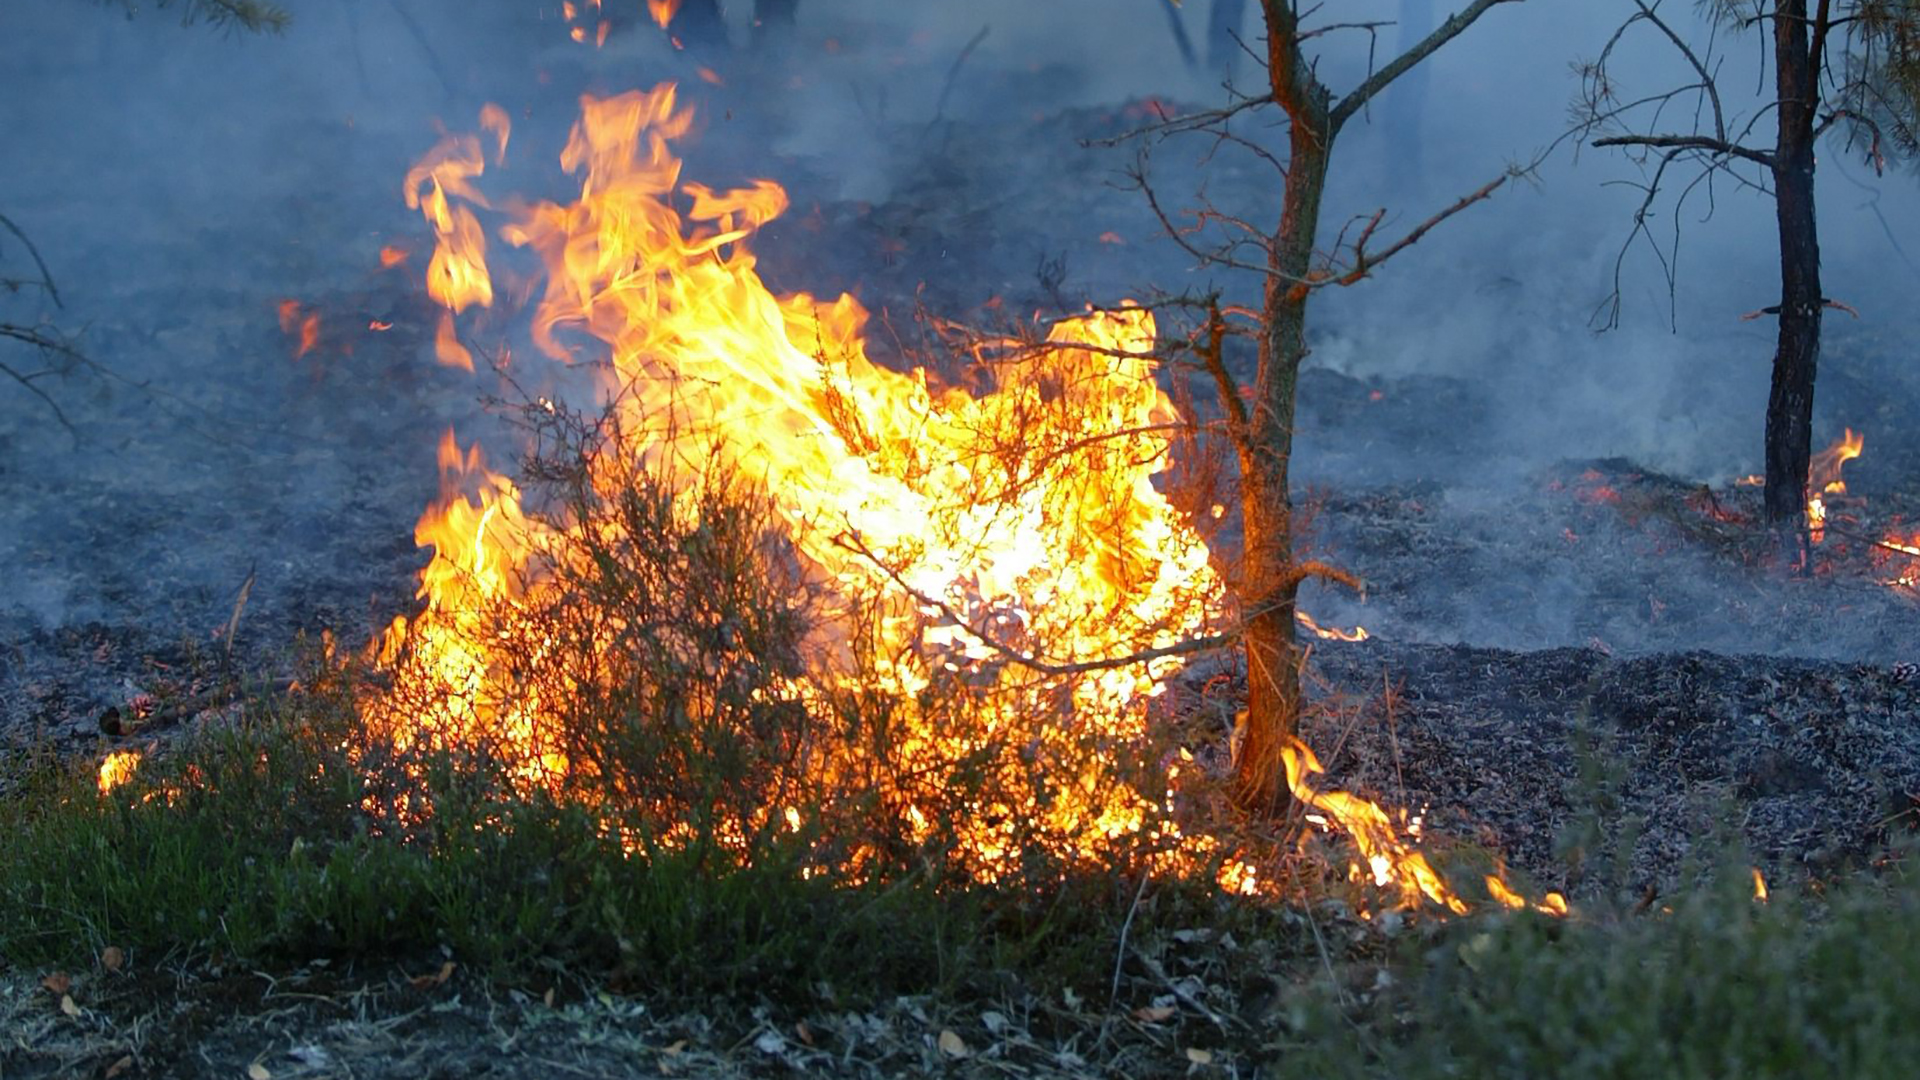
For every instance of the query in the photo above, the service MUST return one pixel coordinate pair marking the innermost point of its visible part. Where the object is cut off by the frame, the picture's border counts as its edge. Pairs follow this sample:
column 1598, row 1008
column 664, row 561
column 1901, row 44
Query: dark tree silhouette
column 1849, row 67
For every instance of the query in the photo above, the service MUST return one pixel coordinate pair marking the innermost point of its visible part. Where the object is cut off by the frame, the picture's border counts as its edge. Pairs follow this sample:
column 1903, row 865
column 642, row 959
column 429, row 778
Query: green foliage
column 1874, row 61
column 253, row 16
column 1709, row 984
column 259, row 846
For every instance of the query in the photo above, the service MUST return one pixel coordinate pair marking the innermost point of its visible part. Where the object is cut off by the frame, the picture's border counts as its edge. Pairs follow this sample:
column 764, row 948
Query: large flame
column 1038, row 566
column 1015, row 535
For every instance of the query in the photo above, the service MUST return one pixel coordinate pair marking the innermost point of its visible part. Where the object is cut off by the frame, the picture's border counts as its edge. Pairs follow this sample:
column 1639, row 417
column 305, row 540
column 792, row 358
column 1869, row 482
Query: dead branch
column 1452, row 28
column 1363, row 263
column 46, row 275
column 852, row 542
column 1825, row 302
column 1718, row 147
column 1313, row 568
column 953, row 76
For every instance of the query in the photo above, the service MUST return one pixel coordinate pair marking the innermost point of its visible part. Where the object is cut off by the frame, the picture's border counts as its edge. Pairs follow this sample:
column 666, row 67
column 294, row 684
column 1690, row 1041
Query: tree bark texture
column 1796, row 359
column 1269, row 587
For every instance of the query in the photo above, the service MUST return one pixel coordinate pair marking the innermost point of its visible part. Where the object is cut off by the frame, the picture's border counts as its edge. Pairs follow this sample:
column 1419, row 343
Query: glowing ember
column 1904, row 552
column 300, row 323
column 117, row 769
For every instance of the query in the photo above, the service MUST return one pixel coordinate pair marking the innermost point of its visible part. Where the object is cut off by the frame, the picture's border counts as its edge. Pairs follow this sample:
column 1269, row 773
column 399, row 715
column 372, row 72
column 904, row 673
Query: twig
column 46, row 275
column 1120, row 952
column 239, row 605
column 1837, row 305
column 1719, row 147
column 852, row 542
column 426, row 44
column 953, row 75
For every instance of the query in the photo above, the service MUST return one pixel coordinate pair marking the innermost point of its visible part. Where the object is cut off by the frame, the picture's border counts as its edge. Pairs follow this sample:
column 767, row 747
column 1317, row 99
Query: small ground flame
column 1823, row 479
column 118, row 768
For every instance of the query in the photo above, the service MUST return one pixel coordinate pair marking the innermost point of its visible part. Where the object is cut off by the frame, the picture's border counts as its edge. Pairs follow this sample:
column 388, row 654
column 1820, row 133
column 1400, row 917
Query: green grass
column 270, row 859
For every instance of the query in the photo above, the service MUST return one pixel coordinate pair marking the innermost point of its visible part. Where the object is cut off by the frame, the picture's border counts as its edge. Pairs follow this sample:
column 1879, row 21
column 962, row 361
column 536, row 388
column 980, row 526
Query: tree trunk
column 1797, row 357
column 1269, row 584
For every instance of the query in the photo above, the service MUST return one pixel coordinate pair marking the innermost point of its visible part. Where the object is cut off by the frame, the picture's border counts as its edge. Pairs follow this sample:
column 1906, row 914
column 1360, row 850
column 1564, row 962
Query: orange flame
column 117, row 768
column 1823, row 479
column 1391, row 862
column 892, row 485
column 494, row 119
column 1759, row 886
column 392, row 255
column 1823, row 471
column 1895, row 546
column 881, row 474
column 296, row 322
column 663, row 11
column 1358, row 633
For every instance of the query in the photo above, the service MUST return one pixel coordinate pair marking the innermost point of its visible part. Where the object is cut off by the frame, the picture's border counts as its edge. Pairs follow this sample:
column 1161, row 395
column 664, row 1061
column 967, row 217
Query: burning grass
column 258, row 853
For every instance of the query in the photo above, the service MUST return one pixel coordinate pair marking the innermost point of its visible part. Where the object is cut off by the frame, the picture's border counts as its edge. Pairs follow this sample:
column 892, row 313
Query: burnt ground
column 1540, row 614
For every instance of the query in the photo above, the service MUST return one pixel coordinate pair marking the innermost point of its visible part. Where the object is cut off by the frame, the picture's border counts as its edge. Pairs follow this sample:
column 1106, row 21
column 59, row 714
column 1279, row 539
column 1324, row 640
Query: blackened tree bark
column 1796, row 359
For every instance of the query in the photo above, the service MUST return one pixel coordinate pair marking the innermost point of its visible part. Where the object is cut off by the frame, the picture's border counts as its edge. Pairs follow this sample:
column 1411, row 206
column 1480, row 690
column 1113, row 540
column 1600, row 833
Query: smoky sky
column 181, row 179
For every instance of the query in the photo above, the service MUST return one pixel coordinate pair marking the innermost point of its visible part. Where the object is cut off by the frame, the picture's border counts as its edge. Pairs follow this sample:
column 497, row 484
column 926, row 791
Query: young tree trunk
column 1269, row 584
column 1796, row 359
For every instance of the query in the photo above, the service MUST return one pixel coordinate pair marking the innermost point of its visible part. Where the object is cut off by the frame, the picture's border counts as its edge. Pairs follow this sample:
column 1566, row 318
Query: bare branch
column 852, row 542
column 1690, row 142
column 1378, row 81
column 1364, row 263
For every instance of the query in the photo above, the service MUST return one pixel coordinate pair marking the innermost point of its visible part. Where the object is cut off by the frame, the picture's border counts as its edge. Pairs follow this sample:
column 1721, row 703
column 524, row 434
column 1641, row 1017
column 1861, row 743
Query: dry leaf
column 57, row 983
column 548, row 997
column 118, row 1067
column 953, row 1045
column 113, row 958
column 674, row 1047
column 1199, row 1056
column 67, row 1006
column 804, row 1032
column 257, row 1071
column 1153, row 1014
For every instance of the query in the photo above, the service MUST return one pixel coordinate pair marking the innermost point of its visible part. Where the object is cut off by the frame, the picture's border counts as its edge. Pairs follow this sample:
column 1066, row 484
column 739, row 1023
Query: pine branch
column 252, row 16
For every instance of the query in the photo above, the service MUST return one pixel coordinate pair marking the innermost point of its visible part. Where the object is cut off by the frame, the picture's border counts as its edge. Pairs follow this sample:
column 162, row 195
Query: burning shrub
column 664, row 652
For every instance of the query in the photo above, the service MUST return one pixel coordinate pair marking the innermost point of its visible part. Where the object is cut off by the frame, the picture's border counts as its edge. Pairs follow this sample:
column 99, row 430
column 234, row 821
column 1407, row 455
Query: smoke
column 182, row 183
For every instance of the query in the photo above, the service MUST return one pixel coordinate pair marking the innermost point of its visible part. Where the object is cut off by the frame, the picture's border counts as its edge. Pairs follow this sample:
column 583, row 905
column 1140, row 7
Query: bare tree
column 1862, row 83
column 1294, row 265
